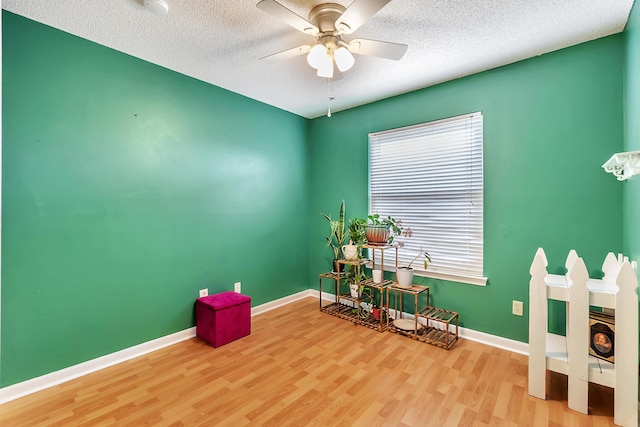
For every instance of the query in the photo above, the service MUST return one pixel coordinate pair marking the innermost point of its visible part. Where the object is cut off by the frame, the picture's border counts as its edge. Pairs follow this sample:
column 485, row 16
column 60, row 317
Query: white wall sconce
column 623, row 165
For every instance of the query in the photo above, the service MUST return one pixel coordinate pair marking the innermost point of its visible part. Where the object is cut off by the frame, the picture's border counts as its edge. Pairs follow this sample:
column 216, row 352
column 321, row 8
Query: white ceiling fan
column 328, row 22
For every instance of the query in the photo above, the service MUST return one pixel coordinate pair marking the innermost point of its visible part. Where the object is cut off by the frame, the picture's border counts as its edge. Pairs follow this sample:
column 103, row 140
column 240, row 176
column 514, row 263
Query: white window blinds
column 430, row 177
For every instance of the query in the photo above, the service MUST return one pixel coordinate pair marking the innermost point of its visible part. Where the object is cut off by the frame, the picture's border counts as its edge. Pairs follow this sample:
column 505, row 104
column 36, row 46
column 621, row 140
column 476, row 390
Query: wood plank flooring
column 301, row 367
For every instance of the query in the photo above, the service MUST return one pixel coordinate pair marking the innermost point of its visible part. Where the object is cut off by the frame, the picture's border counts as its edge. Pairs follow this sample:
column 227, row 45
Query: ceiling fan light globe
column 316, row 56
column 326, row 68
column 344, row 59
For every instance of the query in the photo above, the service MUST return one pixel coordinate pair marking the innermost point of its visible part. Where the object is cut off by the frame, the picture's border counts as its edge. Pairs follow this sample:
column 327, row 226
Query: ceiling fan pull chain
column 329, row 110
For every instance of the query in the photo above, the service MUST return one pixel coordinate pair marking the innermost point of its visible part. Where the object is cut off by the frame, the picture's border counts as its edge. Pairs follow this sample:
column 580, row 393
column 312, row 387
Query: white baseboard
column 33, row 385
column 263, row 308
column 469, row 334
column 495, row 341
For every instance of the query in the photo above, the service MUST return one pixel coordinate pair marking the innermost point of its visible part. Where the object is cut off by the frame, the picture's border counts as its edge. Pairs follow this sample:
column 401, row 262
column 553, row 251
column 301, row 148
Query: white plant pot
column 350, row 252
column 354, row 290
column 404, row 277
column 377, row 276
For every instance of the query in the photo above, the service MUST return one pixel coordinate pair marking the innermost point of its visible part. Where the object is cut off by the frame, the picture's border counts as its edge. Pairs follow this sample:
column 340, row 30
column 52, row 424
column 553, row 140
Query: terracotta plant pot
column 377, row 235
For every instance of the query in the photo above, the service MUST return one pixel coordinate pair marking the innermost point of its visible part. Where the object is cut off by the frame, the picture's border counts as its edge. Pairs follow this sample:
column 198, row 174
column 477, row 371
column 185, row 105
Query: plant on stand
column 404, row 275
column 337, row 237
column 356, row 234
column 375, row 305
column 360, row 292
column 367, row 309
column 354, row 281
column 383, row 231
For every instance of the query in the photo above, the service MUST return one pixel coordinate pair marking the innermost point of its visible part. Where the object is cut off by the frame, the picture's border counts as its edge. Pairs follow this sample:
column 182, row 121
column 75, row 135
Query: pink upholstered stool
column 223, row 317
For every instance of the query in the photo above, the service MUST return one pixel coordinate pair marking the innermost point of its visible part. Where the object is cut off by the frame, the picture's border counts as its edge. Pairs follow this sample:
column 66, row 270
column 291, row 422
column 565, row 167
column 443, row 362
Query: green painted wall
column 631, row 210
column 549, row 124
column 126, row 189
column 632, row 131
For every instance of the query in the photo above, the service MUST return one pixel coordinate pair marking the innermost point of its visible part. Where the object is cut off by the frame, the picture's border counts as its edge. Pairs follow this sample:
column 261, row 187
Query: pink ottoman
column 223, row 317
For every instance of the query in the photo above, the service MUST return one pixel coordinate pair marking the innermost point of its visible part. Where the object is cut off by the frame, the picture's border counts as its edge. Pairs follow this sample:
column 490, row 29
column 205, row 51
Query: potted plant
column 355, row 289
column 364, row 294
column 357, row 237
column 375, row 306
column 382, row 231
column 337, row 237
column 368, row 309
column 354, row 283
column 404, row 275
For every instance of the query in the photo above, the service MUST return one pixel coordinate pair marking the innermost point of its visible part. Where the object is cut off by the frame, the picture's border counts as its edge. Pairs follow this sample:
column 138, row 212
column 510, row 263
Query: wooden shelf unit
column 398, row 311
column 431, row 325
column 351, row 308
column 438, row 327
column 382, row 249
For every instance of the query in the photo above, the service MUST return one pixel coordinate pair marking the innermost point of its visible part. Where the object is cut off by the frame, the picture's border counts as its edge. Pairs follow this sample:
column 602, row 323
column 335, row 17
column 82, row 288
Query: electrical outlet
column 517, row 308
column 237, row 287
column 204, row 292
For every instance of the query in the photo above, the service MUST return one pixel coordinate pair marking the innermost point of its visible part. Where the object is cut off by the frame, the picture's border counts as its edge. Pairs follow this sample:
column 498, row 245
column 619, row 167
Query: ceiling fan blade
column 380, row 49
column 291, row 53
column 277, row 10
column 357, row 14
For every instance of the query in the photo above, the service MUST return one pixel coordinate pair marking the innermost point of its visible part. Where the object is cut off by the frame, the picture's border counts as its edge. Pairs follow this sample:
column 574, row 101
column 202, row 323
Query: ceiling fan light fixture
column 316, row 55
column 326, row 67
column 344, row 59
column 328, row 22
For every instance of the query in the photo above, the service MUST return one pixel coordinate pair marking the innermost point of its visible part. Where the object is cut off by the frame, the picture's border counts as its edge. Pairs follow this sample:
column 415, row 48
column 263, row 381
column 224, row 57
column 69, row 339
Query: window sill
column 476, row 281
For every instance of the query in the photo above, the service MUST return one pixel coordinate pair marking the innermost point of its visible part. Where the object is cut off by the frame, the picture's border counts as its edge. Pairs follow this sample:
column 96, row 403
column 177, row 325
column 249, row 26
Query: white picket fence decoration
column 569, row 355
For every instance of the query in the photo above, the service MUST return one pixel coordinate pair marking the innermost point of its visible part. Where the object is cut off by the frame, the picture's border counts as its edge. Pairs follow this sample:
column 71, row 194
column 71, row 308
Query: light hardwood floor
column 301, row 367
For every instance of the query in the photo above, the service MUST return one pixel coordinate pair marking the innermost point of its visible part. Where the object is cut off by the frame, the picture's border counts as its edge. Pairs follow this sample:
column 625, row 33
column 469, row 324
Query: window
column 430, row 177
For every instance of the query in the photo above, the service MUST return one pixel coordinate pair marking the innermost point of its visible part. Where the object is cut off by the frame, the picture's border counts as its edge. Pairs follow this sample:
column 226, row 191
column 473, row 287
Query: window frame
column 396, row 135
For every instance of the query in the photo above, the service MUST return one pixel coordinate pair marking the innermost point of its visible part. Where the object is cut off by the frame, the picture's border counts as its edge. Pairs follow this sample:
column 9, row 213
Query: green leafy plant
column 427, row 258
column 366, row 308
column 375, row 299
column 394, row 225
column 356, row 231
column 367, row 296
column 338, row 234
column 354, row 278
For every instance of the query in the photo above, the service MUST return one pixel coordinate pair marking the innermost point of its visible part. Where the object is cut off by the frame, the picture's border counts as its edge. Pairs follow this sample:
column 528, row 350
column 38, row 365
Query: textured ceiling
column 221, row 41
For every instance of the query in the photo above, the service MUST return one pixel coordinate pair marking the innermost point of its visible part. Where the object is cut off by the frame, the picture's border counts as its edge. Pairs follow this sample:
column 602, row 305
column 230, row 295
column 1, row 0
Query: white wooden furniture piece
column 569, row 355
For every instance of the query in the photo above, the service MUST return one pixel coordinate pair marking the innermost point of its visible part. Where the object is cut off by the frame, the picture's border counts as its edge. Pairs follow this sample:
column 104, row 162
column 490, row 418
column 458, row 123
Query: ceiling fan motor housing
column 324, row 16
